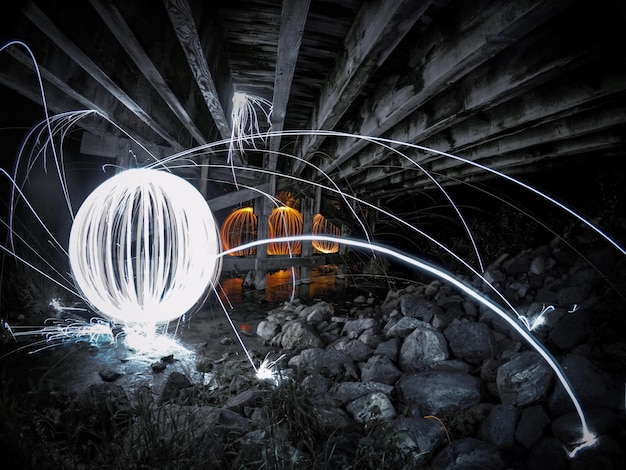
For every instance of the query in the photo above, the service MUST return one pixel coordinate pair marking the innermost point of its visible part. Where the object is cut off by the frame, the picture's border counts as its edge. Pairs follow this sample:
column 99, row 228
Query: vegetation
column 105, row 428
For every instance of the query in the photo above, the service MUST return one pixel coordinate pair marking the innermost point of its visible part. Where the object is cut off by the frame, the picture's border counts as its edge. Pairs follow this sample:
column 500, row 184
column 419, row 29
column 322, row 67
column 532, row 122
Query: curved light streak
column 143, row 247
column 588, row 437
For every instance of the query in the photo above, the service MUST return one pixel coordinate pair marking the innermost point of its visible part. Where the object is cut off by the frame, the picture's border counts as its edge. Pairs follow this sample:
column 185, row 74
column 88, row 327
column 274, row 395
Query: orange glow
column 239, row 228
column 321, row 226
column 284, row 222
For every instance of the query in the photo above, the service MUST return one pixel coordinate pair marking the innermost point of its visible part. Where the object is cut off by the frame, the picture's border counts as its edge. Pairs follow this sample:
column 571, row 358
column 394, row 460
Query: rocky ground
column 420, row 377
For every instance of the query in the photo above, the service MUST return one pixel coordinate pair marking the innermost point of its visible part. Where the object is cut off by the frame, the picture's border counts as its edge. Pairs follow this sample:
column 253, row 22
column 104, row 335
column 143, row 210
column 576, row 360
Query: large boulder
column 424, row 347
column 436, row 392
column 471, row 341
column 524, row 380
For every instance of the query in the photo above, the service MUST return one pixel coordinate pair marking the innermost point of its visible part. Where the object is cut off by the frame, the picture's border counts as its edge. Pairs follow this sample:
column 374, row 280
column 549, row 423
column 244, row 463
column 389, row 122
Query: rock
column 267, row 329
column 326, row 362
column 344, row 392
column 538, row 265
column 468, row 454
column 425, row 346
column 547, row 453
column 471, row 341
column 426, row 434
column 589, row 385
column 371, row 407
column 298, row 335
column 601, row 421
column 371, row 338
column 109, row 375
column 333, row 418
column 389, row 348
column 437, row 392
column 498, row 428
column 571, row 295
column 571, row 330
column 517, row 265
column 353, row 328
column 381, row 369
column 353, row 348
column 525, row 379
column 171, row 391
column 315, row 313
column 417, row 306
column 245, row 399
column 158, row 366
column 402, row 327
column 532, row 426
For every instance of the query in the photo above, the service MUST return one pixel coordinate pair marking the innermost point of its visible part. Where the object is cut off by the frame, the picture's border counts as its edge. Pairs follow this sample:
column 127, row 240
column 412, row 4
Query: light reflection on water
column 279, row 286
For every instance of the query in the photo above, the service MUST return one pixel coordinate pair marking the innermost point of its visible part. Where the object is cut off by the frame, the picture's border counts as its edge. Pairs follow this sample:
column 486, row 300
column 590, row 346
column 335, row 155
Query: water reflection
column 279, row 286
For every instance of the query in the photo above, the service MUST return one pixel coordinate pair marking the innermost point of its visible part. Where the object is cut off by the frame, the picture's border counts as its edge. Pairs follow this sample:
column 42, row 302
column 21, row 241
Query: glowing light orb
column 144, row 247
column 285, row 221
column 322, row 226
column 239, row 228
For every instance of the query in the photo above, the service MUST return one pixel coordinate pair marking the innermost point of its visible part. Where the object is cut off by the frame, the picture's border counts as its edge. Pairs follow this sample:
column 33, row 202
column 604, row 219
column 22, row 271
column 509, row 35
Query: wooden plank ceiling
column 515, row 85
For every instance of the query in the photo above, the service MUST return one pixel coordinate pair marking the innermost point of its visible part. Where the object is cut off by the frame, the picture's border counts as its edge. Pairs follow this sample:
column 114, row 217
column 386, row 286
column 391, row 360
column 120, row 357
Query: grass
column 107, row 428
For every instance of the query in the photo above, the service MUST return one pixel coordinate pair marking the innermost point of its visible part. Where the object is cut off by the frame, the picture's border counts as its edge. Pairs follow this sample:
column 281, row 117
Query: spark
column 267, row 372
column 55, row 304
column 538, row 320
column 148, row 341
column 589, row 440
column 56, row 332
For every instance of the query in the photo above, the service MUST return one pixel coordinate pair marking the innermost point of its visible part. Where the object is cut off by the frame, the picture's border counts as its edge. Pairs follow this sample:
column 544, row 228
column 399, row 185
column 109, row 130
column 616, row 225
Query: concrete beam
column 41, row 21
column 578, row 134
column 376, row 31
column 446, row 58
column 115, row 22
column 213, row 85
column 238, row 197
column 577, row 151
column 292, row 21
column 532, row 109
column 499, row 81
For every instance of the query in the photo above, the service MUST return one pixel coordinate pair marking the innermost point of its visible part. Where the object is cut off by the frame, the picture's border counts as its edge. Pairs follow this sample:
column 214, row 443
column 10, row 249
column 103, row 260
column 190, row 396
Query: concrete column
column 306, row 207
column 263, row 208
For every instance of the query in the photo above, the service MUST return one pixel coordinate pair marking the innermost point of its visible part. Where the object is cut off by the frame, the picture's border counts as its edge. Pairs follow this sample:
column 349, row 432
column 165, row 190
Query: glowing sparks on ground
column 267, row 371
column 536, row 321
column 143, row 247
column 56, row 332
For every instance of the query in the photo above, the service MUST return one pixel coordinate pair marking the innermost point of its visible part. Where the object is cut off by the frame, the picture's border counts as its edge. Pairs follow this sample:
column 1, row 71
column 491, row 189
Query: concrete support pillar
column 262, row 208
column 306, row 207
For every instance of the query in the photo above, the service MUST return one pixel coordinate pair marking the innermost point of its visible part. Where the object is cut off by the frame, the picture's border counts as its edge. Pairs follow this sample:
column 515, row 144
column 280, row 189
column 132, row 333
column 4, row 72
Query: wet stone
column 109, row 375
column 525, row 379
